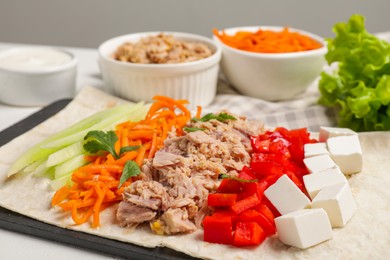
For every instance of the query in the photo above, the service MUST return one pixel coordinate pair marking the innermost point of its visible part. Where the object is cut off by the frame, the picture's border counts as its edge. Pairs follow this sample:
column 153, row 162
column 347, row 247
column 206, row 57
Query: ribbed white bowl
column 195, row 81
column 271, row 76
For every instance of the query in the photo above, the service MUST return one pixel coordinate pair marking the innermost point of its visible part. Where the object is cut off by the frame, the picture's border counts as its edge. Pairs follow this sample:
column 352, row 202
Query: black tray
column 18, row 223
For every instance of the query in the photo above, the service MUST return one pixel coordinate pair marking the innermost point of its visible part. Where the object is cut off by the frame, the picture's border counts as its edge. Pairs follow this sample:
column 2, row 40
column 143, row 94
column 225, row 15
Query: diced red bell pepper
column 246, row 203
column 246, row 173
column 248, row 234
column 221, row 199
column 218, row 230
column 274, row 211
column 253, row 215
column 230, row 186
column 266, row 212
column 264, row 164
column 259, row 145
column 223, row 212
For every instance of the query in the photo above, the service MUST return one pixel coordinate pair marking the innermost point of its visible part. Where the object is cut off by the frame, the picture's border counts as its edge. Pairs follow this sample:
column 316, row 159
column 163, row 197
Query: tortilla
column 367, row 235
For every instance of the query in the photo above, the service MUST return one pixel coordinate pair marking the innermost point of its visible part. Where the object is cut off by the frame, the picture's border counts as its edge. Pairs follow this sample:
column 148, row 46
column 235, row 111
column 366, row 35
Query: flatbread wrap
column 367, row 234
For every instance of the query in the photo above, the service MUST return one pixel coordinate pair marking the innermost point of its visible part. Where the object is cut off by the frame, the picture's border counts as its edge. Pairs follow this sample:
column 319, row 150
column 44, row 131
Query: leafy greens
column 360, row 87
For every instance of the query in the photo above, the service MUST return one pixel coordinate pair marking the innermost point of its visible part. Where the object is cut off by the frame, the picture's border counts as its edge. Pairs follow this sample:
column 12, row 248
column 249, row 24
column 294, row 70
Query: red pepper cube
column 218, row 230
column 245, row 204
column 221, row 199
column 223, row 212
column 264, row 164
column 248, row 234
column 246, row 173
column 266, row 212
column 230, row 186
column 253, row 215
column 259, row 145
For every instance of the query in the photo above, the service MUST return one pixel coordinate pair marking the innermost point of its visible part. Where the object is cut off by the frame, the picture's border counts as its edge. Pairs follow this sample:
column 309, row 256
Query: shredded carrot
column 95, row 185
column 267, row 41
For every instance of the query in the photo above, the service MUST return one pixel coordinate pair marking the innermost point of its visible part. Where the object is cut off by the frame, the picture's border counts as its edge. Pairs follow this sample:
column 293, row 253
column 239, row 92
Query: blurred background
column 87, row 23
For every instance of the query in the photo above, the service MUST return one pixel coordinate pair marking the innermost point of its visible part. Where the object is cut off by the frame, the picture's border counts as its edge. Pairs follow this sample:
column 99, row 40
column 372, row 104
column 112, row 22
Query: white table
column 19, row 246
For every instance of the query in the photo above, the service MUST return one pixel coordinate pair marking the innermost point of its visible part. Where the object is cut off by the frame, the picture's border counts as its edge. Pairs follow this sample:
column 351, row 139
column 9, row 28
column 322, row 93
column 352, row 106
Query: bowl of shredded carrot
column 270, row 62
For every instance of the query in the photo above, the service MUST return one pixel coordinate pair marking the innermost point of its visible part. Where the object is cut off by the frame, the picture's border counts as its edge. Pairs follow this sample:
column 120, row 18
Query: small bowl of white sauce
column 36, row 76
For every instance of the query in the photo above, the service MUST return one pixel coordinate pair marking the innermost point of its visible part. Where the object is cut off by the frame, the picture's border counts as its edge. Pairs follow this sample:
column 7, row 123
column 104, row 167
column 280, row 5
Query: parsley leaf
column 131, row 169
column 129, row 148
column 193, row 129
column 225, row 176
column 222, row 117
column 96, row 141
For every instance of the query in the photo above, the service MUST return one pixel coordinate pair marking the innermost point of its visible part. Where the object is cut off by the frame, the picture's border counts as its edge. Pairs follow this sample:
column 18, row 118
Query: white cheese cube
column 327, row 132
column 338, row 202
column 304, row 228
column 346, row 152
column 286, row 196
column 316, row 181
column 319, row 163
column 314, row 149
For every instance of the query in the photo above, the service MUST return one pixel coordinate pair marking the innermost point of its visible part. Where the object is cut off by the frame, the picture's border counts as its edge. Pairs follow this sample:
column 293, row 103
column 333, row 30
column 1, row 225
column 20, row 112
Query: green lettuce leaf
column 360, row 87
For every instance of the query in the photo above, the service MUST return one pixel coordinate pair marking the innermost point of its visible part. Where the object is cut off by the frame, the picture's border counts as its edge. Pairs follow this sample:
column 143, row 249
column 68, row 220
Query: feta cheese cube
column 304, row 228
column 346, row 152
column 338, row 202
column 316, row 181
column 319, row 163
column 327, row 132
column 286, row 196
column 314, row 149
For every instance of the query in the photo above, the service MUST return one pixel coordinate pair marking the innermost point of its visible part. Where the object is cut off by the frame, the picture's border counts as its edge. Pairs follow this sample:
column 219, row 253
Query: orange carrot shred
column 267, row 41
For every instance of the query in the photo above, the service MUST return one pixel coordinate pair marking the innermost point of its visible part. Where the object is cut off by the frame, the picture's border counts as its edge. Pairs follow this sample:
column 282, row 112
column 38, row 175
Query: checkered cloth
column 303, row 111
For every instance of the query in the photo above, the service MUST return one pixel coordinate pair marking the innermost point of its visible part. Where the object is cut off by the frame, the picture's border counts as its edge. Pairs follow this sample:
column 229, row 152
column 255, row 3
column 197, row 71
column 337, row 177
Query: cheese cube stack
column 286, row 196
column 346, row 152
column 319, row 163
column 304, row 228
column 327, row 132
column 317, row 181
column 314, row 149
column 338, row 202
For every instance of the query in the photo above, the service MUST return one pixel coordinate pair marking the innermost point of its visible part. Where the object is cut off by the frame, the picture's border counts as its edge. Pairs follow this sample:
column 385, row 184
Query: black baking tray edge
column 12, row 221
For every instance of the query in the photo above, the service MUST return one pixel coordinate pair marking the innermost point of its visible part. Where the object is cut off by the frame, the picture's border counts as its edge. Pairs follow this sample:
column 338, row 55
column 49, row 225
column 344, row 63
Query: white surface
column 19, row 246
column 319, row 163
column 346, row 152
column 327, row 132
column 314, row 182
column 296, row 228
column 314, row 149
column 286, row 196
column 338, row 202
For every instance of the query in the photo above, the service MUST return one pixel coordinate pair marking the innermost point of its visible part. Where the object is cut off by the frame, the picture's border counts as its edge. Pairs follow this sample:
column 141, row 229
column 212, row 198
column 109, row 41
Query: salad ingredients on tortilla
column 19, row 193
column 117, row 158
column 172, row 195
column 242, row 215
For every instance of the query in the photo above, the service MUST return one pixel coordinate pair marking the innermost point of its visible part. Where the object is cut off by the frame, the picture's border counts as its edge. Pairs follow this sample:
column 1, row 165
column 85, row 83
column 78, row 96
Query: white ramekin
column 37, row 86
column 195, row 81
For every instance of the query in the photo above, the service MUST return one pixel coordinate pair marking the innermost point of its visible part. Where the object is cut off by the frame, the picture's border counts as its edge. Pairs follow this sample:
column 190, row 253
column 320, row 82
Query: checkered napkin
column 303, row 111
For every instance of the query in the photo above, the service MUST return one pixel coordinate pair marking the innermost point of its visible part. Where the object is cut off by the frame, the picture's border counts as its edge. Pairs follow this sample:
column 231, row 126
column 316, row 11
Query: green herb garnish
column 193, row 129
column 96, row 141
column 225, row 176
column 222, row 117
column 131, row 169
